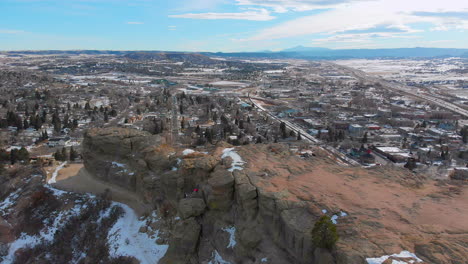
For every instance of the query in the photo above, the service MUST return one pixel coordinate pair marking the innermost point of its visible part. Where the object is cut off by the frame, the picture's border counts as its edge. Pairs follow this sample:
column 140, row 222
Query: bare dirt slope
column 82, row 182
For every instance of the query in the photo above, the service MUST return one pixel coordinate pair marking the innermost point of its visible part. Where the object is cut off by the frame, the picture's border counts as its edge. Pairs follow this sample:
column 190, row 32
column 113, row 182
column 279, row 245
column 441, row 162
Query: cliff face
column 258, row 203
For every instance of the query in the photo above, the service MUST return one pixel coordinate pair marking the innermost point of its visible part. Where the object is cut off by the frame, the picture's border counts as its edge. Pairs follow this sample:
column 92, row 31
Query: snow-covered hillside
column 47, row 225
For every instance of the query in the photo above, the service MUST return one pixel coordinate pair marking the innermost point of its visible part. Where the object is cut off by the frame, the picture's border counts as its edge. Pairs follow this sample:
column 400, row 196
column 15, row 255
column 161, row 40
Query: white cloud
column 367, row 15
column 172, row 28
column 252, row 14
column 282, row 6
column 135, row 23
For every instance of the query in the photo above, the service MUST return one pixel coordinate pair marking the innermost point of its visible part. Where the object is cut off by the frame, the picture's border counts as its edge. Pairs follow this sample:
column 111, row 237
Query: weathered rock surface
column 219, row 190
column 323, row 256
column 184, row 242
column 191, row 207
column 264, row 212
column 110, row 153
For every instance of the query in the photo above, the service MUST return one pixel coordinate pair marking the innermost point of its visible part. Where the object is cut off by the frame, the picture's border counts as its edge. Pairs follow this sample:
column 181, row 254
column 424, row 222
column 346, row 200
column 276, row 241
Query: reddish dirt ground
column 389, row 207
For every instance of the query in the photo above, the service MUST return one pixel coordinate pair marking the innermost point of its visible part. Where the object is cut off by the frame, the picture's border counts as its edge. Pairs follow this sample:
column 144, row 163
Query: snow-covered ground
column 46, row 234
column 237, row 161
column 8, row 202
column 403, row 254
column 126, row 240
column 53, row 179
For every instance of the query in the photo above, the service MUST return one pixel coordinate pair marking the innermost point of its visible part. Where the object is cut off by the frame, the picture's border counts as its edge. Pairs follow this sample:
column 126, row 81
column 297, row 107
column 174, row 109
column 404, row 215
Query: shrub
column 324, row 234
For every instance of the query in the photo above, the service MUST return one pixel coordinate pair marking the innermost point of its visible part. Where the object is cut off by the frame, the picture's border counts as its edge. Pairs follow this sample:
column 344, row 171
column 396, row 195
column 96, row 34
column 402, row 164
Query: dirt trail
column 83, row 182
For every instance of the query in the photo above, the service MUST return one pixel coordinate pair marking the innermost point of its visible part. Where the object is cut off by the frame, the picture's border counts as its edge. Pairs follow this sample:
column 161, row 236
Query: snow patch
column 237, row 161
column 125, row 239
column 335, row 217
column 46, row 234
column 177, row 164
column 9, row 201
column 55, row 191
column 187, row 152
column 117, row 164
column 217, row 259
column 232, row 236
column 403, row 254
column 53, row 179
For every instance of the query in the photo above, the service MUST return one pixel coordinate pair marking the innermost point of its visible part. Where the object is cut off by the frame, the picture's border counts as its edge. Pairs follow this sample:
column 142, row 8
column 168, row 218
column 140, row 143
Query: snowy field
column 448, row 74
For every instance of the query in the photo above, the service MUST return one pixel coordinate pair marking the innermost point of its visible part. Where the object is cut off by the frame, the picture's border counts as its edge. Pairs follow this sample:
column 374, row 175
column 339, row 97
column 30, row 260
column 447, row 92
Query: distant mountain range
column 305, row 49
column 301, row 52
column 298, row 52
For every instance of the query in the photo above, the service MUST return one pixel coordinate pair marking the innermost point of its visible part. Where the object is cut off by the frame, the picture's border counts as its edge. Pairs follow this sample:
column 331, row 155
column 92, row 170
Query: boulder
column 246, row 192
column 191, row 207
column 246, row 195
column 323, row 256
column 183, row 243
column 250, row 238
column 158, row 158
column 220, row 189
column 295, row 237
column 206, row 163
column 118, row 141
column 115, row 154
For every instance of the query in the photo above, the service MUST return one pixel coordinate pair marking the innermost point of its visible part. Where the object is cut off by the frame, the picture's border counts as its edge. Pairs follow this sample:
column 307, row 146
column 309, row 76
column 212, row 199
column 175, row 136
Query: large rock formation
column 263, row 210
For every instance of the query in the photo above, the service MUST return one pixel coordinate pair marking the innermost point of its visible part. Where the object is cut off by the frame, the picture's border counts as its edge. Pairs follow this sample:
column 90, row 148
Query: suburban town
column 359, row 118
column 170, row 157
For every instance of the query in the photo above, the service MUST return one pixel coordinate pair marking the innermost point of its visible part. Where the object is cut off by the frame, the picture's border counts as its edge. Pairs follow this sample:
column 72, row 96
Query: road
column 306, row 136
column 403, row 89
column 174, row 120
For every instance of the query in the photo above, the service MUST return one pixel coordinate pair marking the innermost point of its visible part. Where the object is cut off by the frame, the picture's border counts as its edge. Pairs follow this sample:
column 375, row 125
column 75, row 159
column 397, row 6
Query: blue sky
column 231, row 25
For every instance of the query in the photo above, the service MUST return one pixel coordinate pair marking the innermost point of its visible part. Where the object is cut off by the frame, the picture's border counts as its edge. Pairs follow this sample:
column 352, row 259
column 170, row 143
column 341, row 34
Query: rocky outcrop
column 219, row 190
column 323, row 256
column 110, row 153
column 246, row 195
column 261, row 212
column 183, row 244
column 191, row 207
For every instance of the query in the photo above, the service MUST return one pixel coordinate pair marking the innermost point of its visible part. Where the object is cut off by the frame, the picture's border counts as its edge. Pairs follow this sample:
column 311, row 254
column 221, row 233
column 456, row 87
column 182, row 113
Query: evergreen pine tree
column 364, row 138
column 64, row 154
column 58, row 155
column 324, row 234
column 73, row 154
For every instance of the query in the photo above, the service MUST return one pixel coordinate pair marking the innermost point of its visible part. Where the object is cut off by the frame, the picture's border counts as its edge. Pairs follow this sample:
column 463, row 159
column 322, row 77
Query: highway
column 404, row 89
